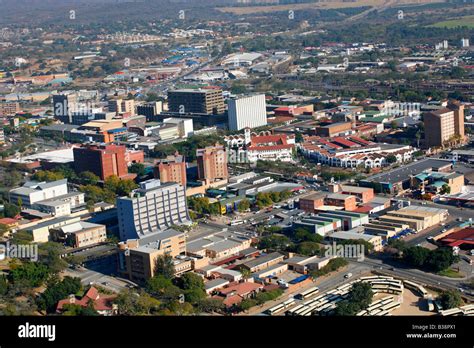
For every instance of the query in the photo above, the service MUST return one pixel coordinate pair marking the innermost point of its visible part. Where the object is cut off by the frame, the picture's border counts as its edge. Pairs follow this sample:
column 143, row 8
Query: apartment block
column 171, row 169
column 120, row 106
column 444, row 125
column 212, row 163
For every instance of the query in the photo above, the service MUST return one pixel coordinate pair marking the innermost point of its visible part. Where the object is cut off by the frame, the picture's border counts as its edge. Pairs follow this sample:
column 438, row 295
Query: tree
column 360, row 297
column 450, row 299
column 164, row 266
column 88, row 178
column 210, row 305
column 190, row 281
column 157, row 285
column 243, row 205
column 445, row 189
column 31, row 273
column 416, row 256
column 10, row 210
column 391, row 159
column 137, row 168
column 56, row 291
column 130, row 302
column 308, row 249
column 274, row 243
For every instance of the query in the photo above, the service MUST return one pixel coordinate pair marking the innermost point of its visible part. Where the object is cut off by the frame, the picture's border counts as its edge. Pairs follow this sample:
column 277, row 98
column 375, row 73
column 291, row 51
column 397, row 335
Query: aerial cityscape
column 237, row 158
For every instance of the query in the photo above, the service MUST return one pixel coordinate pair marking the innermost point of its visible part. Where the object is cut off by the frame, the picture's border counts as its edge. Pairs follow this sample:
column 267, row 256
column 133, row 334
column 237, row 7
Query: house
column 101, row 303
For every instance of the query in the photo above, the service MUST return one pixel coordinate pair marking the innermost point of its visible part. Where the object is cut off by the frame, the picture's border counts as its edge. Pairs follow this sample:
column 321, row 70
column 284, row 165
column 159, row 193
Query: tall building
column 9, row 108
column 152, row 208
column 444, row 125
column 172, row 169
column 102, row 160
column 120, row 106
column 64, row 105
column 458, row 110
column 150, row 110
column 196, row 101
column 248, row 112
column 464, row 43
column 212, row 163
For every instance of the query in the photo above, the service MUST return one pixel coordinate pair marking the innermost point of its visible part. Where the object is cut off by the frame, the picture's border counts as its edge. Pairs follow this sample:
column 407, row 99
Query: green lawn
column 451, row 273
column 467, row 21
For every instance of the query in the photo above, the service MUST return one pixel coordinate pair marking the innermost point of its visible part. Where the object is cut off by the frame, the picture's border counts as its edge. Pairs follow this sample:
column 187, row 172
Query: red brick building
column 171, row 169
column 312, row 202
column 212, row 163
column 102, row 160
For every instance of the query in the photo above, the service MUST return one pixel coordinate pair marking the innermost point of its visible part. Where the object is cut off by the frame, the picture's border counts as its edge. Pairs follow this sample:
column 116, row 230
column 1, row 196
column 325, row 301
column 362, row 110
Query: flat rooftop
column 404, row 172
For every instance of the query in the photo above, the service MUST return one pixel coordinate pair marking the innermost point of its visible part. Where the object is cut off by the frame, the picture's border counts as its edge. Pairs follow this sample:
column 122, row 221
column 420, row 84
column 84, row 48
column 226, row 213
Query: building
column 137, row 257
column 263, row 262
column 263, row 146
column 2, row 136
column 444, row 126
column 435, row 182
column 151, row 208
column 40, row 232
column 463, row 238
column 102, row 304
column 348, row 202
column 150, row 110
column 212, row 163
column 9, row 108
column 334, row 129
column 33, row 192
column 305, row 264
column 171, row 169
column 416, row 217
column 102, row 160
column 376, row 241
column 79, row 234
column 363, row 194
column 122, row 106
column 184, row 126
column 196, row 101
column 218, row 246
column 247, row 112
column 61, row 205
column 312, row 202
column 64, row 105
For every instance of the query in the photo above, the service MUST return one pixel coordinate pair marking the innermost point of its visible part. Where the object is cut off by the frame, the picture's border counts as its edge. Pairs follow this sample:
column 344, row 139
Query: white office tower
column 445, row 44
column 464, row 43
column 152, row 208
column 248, row 112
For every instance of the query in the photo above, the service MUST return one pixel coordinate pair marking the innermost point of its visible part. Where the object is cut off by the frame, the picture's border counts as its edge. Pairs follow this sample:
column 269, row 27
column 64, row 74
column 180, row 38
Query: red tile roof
column 464, row 236
column 242, row 289
column 101, row 302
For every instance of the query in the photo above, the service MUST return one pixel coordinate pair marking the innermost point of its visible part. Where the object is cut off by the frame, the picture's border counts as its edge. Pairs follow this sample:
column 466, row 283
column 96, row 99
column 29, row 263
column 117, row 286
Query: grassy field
column 467, row 21
column 451, row 273
column 242, row 10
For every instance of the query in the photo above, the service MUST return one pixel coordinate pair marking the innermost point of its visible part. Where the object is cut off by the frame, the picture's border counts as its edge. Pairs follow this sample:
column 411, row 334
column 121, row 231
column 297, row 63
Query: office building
column 171, row 169
column 150, row 110
column 444, row 126
column 9, row 108
column 121, row 106
column 151, row 208
column 247, row 112
column 64, row 105
column 32, row 192
column 137, row 258
column 102, row 160
column 79, row 234
column 196, row 101
column 212, row 163
column 464, row 43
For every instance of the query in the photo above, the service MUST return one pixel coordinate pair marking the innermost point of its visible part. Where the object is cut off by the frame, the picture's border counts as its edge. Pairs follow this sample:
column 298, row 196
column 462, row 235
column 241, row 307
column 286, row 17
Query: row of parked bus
column 419, row 289
column 281, row 307
column 380, row 307
column 467, row 310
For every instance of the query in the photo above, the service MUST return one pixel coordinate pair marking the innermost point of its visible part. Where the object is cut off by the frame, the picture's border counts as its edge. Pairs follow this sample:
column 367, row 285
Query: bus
column 236, row 222
column 276, row 309
column 294, row 310
column 308, row 293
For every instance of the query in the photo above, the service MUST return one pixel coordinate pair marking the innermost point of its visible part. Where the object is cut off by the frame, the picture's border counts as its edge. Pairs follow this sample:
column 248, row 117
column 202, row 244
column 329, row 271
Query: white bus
column 276, row 309
column 308, row 293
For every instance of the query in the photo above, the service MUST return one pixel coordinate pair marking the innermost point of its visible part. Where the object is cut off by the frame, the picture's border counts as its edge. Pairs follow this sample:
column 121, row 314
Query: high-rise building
column 444, row 125
column 2, row 136
column 172, row 169
column 120, row 106
column 212, row 163
column 64, row 105
column 150, row 110
column 9, row 108
column 152, row 208
column 196, row 101
column 102, row 160
column 464, row 43
column 248, row 112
